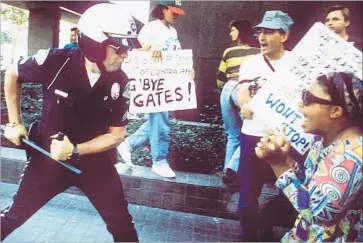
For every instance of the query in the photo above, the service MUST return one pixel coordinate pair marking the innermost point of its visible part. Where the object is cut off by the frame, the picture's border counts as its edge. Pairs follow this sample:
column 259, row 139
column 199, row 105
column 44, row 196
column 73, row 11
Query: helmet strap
column 101, row 66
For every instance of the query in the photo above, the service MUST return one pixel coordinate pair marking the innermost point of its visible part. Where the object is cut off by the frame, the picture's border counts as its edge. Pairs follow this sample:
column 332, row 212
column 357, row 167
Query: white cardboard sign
column 160, row 86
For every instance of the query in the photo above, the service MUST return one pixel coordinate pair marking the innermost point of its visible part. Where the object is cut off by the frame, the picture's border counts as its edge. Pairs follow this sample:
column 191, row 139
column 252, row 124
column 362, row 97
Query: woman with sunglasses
column 326, row 190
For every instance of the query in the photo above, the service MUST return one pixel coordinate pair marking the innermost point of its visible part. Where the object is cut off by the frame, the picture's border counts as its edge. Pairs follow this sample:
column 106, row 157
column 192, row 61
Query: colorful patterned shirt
column 327, row 193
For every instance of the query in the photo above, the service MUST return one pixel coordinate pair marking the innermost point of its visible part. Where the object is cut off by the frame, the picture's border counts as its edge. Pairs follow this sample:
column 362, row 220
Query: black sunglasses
column 308, row 98
column 120, row 44
column 120, row 49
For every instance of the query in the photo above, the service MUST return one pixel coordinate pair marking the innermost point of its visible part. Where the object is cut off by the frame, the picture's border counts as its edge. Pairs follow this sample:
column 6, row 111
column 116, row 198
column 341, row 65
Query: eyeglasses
column 308, row 98
column 120, row 44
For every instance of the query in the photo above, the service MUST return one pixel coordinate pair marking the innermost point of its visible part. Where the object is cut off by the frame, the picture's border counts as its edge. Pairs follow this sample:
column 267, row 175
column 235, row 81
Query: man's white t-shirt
column 252, row 68
column 157, row 34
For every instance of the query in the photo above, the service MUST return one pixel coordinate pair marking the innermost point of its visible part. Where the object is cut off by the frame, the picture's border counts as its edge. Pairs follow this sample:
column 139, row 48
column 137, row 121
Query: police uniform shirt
column 70, row 104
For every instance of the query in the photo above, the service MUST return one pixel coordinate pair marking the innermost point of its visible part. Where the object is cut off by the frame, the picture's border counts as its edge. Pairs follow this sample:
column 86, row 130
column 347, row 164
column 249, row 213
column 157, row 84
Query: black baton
column 46, row 153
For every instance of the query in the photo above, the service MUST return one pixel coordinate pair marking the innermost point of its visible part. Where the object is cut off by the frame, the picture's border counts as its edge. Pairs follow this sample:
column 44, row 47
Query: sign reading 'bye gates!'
column 164, row 85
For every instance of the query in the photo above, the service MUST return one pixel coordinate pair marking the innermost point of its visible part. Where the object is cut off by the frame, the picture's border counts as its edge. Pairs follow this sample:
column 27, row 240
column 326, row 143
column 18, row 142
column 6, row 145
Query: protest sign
column 320, row 51
column 157, row 86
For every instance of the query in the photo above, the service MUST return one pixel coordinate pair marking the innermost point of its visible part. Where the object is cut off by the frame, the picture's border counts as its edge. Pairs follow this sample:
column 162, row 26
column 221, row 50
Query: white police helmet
column 105, row 25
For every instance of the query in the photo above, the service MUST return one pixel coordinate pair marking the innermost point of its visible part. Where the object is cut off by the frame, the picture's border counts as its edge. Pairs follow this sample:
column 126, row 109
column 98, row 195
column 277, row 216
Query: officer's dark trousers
column 253, row 173
column 43, row 179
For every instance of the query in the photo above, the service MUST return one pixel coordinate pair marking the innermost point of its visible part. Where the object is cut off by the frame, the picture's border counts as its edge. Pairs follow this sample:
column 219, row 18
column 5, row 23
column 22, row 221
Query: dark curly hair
column 157, row 12
column 245, row 31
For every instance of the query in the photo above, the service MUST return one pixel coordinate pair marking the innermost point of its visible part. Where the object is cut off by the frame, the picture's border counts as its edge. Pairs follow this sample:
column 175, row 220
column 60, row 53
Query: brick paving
column 72, row 218
column 189, row 192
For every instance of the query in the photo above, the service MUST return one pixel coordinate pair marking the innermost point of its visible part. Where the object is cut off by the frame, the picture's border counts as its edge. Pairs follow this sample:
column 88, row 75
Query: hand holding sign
column 246, row 112
column 156, row 54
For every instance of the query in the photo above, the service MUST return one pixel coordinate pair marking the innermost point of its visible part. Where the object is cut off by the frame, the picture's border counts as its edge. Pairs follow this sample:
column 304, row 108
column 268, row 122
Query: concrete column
column 43, row 26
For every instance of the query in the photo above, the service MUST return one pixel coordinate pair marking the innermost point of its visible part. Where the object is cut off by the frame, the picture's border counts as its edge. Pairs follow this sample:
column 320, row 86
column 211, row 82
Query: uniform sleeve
column 117, row 116
column 33, row 68
column 326, row 196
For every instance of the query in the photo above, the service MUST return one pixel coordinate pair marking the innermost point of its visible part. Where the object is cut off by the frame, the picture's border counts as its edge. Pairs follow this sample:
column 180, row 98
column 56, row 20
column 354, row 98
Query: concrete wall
column 205, row 30
column 43, row 26
column 44, row 19
column 69, row 17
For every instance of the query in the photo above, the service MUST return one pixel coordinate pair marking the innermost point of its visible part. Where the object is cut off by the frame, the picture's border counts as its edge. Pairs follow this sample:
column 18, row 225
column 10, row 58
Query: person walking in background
column 73, row 39
column 337, row 18
column 241, row 34
column 326, row 190
column 83, row 98
column 156, row 36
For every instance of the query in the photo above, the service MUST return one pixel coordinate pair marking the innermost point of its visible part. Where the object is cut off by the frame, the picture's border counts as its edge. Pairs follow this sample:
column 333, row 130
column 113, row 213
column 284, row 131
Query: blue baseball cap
column 276, row 20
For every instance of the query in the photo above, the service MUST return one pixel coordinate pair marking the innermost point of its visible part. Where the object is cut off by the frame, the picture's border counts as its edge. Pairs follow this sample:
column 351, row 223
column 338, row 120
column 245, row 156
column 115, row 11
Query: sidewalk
column 72, row 218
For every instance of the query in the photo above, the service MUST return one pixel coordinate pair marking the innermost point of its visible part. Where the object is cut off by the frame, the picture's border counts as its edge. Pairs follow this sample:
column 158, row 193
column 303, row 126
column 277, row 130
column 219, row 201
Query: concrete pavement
column 72, row 218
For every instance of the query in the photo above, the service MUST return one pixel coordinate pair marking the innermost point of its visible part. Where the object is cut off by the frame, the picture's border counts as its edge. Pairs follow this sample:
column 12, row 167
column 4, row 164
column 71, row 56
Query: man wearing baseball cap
column 173, row 6
column 271, row 33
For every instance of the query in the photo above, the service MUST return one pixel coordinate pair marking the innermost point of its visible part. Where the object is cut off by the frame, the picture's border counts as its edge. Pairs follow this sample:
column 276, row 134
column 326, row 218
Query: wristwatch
column 12, row 124
column 75, row 153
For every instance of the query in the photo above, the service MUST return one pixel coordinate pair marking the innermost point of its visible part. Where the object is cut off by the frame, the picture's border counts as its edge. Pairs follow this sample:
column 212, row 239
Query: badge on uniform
column 115, row 91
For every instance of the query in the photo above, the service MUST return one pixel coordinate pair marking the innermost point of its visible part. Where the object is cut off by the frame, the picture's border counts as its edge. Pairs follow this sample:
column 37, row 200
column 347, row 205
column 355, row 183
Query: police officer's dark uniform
column 82, row 113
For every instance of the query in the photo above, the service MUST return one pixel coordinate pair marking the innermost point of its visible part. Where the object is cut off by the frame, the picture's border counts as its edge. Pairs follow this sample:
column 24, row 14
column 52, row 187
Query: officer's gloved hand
column 61, row 150
column 14, row 132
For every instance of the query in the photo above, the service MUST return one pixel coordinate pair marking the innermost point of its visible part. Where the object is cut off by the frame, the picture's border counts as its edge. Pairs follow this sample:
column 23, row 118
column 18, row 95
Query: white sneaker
column 125, row 153
column 121, row 168
column 163, row 170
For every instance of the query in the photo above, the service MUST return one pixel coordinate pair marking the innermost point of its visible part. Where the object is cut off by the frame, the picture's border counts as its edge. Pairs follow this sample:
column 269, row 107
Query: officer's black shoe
column 230, row 177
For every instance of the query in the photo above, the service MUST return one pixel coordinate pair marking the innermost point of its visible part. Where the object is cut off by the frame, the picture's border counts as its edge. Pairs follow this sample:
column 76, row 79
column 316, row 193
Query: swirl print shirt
column 327, row 193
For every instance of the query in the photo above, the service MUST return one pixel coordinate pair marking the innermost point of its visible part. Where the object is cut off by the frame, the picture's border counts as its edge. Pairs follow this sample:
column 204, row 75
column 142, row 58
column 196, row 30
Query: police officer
column 83, row 98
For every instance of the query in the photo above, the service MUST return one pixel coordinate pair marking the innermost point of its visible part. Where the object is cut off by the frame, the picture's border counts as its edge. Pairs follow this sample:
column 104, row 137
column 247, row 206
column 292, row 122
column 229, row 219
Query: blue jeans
column 232, row 125
column 155, row 130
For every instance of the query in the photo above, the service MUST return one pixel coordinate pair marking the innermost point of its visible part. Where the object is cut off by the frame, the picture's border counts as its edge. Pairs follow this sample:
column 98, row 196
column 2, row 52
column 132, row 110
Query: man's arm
column 12, row 91
column 63, row 149
column 221, row 74
column 103, row 142
column 14, row 130
column 144, row 47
